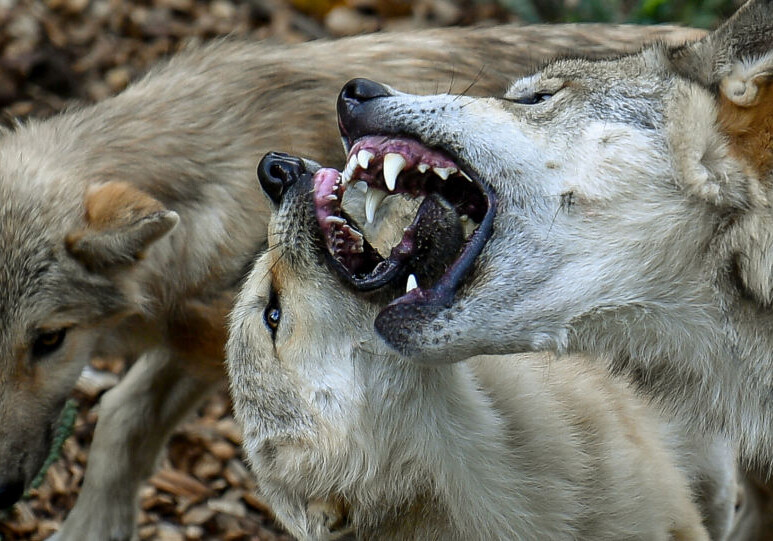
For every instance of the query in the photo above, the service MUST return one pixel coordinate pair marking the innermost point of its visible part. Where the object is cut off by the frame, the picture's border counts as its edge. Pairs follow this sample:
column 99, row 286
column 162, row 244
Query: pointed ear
column 121, row 223
column 736, row 62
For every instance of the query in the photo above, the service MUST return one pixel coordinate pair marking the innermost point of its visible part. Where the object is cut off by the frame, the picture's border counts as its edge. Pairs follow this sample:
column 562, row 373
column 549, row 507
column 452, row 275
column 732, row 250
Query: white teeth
column 444, row 172
column 393, row 164
column 354, row 233
column 362, row 186
column 422, row 167
column 351, row 165
column 363, row 158
column 465, row 175
column 468, row 226
column 373, row 198
column 411, row 283
column 335, row 220
column 332, row 197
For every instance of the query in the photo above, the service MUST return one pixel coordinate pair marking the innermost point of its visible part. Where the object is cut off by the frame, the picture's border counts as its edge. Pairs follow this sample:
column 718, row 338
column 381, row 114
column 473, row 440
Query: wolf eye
column 532, row 99
column 272, row 315
column 48, row 342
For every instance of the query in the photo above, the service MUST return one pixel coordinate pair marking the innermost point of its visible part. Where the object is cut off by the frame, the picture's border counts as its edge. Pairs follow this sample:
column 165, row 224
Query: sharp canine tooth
column 332, row 197
column 411, row 283
column 465, row 175
column 335, row 220
column 444, row 172
column 393, row 164
column 351, row 164
column 422, row 167
column 362, row 186
column 364, row 157
column 373, row 198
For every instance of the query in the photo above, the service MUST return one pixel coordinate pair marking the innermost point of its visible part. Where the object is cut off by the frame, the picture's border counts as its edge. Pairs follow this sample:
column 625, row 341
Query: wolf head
column 596, row 190
column 298, row 341
column 66, row 253
column 294, row 327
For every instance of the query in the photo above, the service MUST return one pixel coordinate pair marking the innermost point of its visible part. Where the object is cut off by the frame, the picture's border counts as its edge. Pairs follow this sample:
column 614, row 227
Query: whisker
column 475, row 81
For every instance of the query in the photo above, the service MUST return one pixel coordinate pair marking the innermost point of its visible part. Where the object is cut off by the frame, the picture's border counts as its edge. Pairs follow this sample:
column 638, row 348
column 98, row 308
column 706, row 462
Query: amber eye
column 272, row 315
column 48, row 342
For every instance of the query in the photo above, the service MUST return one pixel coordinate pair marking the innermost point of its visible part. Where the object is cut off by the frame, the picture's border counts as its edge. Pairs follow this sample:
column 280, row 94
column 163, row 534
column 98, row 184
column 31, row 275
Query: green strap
column 63, row 431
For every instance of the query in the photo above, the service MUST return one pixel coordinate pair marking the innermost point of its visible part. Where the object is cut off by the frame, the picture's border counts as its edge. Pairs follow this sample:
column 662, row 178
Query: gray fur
column 341, row 430
column 185, row 139
column 662, row 262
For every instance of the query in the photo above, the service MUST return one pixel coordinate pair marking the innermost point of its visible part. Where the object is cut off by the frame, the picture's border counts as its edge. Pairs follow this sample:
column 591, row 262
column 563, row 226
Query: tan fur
column 83, row 245
column 199, row 333
column 117, row 203
column 509, row 447
column 750, row 129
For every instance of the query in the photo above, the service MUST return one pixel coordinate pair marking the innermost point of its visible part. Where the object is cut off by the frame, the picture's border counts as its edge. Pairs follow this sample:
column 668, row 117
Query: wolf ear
column 121, row 223
column 736, row 61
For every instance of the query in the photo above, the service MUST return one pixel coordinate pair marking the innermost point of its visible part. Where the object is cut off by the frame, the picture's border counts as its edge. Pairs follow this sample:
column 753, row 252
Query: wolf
column 619, row 208
column 125, row 227
column 347, row 437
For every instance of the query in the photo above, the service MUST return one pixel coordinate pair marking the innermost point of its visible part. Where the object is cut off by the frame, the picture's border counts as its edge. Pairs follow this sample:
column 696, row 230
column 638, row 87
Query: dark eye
column 48, row 342
column 532, row 99
column 272, row 315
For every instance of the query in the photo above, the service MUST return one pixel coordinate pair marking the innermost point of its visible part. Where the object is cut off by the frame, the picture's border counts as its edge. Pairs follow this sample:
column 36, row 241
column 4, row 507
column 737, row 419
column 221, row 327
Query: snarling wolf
column 346, row 436
column 125, row 226
column 618, row 207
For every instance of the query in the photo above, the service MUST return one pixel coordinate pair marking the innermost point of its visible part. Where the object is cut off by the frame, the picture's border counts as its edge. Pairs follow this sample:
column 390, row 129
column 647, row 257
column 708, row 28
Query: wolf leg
column 135, row 420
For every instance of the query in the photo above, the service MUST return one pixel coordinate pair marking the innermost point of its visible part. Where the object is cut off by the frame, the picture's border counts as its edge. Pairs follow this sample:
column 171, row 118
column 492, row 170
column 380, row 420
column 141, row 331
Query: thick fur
column 510, row 447
column 125, row 226
column 633, row 221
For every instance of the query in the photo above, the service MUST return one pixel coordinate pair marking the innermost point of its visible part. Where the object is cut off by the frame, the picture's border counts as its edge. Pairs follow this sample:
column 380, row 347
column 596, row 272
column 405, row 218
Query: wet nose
column 277, row 172
column 353, row 95
column 361, row 90
column 10, row 493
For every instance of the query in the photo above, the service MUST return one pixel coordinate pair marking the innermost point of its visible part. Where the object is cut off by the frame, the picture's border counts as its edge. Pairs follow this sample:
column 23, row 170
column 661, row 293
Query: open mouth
column 438, row 248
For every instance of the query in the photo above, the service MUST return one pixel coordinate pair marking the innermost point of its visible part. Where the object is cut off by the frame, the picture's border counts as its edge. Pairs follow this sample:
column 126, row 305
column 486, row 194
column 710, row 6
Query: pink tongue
column 325, row 180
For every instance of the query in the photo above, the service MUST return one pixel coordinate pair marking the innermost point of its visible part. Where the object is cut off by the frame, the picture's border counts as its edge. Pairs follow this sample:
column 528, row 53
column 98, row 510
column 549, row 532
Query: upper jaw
column 433, row 259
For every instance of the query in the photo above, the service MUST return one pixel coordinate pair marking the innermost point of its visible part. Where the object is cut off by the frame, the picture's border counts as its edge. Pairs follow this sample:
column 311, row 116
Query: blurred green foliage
column 696, row 13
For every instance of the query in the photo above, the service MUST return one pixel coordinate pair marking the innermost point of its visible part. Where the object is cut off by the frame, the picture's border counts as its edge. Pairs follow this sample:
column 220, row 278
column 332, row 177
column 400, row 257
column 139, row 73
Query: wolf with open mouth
column 347, row 437
column 618, row 207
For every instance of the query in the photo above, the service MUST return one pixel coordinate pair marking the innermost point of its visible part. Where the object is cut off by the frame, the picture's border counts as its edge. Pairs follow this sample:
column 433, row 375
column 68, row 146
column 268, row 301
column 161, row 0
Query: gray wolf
column 619, row 208
column 345, row 436
column 125, row 227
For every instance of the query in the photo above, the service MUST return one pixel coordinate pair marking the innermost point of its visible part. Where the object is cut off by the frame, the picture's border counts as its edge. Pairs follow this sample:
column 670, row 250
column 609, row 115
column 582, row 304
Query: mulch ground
column 56, row 52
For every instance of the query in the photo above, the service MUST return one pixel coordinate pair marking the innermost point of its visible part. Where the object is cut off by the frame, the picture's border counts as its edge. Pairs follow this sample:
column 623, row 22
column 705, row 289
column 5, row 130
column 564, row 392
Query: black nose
column 277, row 172
column 361, row 90
column 353, row 95
column 10, row 494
